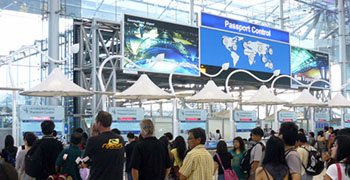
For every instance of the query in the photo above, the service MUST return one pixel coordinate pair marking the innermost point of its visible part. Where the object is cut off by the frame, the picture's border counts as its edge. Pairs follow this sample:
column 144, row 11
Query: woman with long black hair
column 178, row 155
column 341, row 153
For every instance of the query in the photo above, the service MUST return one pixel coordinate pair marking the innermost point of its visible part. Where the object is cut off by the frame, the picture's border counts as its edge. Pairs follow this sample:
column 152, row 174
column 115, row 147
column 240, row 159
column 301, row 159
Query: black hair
column 9, row 141
column 198, row 133
column 241, row 143
column 257, row 131
column 312, row 134
column 79, row 130
column 217, row 131
column 30, row 138
column 47, row 127
column 7, row 171
column 221, row 147
column 54, row 133
column 169, row 135
column 105, row 118
column 75, row 138
column 344, row 132
column 164, row 140
column 301, row 138
column 302, row 130
column 320, row 133
column 180, row 145
column 325, row 128
column 130, row 135
column 272, row 132
column 343, row 152
column 289, row 132
column 116, row 130
column 274, row 152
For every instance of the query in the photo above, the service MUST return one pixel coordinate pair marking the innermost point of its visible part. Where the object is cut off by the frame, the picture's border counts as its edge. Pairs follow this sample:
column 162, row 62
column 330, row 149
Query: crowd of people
column 289, row 154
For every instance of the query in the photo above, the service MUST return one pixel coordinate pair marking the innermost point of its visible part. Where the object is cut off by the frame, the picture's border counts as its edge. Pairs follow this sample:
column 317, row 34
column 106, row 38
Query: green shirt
column 69, row 166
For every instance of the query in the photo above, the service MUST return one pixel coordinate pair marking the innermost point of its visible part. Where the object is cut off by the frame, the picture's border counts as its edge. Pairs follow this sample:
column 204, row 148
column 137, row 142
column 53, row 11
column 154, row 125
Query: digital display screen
column 160, row 47
column 243, row 52
column 308, row 65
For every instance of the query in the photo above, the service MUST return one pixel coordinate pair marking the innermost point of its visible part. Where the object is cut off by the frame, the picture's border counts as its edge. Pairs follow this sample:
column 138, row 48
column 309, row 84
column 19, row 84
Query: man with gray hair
column 150, row 158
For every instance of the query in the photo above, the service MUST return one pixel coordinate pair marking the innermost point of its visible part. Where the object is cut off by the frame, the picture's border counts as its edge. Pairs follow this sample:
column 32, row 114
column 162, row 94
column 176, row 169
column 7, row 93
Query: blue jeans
column 129, row 175
column 221, row 177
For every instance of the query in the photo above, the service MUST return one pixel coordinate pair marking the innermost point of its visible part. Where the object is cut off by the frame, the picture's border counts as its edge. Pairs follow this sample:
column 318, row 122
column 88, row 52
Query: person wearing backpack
column 255, row 154
column 10, row 151
column 29, row 139
column 311, row 160
column 288, row 133
column 222, row 159
column 40, row 159
column 274, row 166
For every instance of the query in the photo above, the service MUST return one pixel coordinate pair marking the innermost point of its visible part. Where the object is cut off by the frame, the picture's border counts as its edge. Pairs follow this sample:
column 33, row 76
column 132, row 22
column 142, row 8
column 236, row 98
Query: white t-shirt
column 333, row 172
column 257, row 153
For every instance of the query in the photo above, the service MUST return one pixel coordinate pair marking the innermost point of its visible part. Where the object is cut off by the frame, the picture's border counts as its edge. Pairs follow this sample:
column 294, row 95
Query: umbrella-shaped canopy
column 306, row 99
column 210, row 93
column 143, row 88
column 264, row 97
column 339, row 101
column 56, row 84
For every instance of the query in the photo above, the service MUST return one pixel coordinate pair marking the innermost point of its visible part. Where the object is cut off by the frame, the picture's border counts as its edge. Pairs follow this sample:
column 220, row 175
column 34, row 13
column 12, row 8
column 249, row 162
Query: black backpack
column 315, row 165
column 245, row 163
column 33, row 160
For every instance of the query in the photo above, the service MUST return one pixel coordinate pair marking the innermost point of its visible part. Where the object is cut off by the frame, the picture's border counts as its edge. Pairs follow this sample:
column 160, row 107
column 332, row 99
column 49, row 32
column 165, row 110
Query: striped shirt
column 198, row 164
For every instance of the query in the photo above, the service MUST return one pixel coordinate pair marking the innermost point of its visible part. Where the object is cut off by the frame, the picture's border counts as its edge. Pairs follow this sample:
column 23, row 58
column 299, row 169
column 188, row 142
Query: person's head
column 79, row 130
column 311, row 134
column 196, row 136
column 218, row 131
column 341, row 148
column 7, row 171
column 103, row 120
column 47, row 127
column 331, row 129
column 301, row 131
column 257, row 133
column 164, row 140
column 320, row 133
column 116, row 131
column 288, row 132
column 274, row 152
column 130, row 136
column 75, row 138
column 301, row 139
column 29, row 139
column 272, row 133
column 180, row 145
column 221, row 147
column 169, row 135
column 9, row 141
column 344, row 132
column 238, row 143
column 147, row 128
column 325, row 128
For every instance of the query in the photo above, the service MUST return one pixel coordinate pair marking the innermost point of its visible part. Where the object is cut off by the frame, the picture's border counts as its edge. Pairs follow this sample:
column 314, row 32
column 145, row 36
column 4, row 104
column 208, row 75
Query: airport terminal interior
column 216, row 64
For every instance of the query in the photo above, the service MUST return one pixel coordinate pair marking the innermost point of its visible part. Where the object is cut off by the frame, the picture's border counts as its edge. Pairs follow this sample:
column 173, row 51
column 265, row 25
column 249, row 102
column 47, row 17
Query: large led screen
column 308, row 65
column 160, row 47
column 243, row 45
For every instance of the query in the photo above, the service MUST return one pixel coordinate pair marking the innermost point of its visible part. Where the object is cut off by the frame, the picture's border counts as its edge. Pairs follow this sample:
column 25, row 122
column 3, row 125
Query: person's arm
column 135, row 174
column 167, row 172
column 258, row 175
column 182, row 177
column 326, row 177
column 215, row 166
column 296, row 176
column 255, row 165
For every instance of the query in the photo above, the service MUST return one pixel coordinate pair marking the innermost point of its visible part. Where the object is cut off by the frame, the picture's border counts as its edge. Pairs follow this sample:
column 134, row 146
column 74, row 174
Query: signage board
column 147, row 40
column 244, row 116
column 31, row 117
column 322, row 116
column 127, row 114
column 192, row 115
column 346, row 118
column 308, row 65
column 286, row 116
column 245, row 126
column 247, row 46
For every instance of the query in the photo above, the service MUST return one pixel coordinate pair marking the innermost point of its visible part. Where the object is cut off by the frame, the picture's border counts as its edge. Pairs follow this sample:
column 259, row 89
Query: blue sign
column 127, row 114
column 322, row 116
column 245, row 126
column 244, row 116
column 236, row 26
column 192, row 115
column 288, row 116
column 243, row 52
column 346, row 117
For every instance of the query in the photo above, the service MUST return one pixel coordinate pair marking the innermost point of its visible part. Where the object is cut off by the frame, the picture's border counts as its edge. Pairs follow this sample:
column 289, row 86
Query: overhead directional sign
column 286, row 116
column 347, row 117
column 244, row 116
column 322, row 116
column 127, row 114
column 192, row 115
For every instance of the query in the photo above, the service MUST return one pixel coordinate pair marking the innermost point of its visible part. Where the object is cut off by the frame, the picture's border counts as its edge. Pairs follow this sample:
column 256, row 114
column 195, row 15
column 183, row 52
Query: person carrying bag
column 229, row 174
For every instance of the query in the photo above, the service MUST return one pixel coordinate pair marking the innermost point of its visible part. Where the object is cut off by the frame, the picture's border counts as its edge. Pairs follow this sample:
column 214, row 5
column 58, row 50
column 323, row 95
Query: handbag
column 229, row 174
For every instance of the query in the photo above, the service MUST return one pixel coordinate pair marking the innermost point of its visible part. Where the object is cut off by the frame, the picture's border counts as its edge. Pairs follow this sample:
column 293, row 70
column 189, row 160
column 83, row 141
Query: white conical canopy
column 143, row 88
column 306, row 99
column 339, row 101
column 56, row 84
column 264, row 97
column 210, row 93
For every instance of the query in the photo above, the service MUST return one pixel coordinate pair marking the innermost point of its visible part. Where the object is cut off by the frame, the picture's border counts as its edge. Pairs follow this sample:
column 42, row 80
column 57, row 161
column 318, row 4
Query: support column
column 54, row 9
column 191, row 12
column 94, row 66
column 175, row 120
column 342, row 42
column 281, row 15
